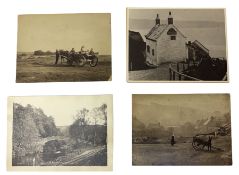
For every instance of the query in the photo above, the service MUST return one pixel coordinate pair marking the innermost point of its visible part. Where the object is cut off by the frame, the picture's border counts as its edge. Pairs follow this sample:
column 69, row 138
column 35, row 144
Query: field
column 182, row 154
column 42, row 69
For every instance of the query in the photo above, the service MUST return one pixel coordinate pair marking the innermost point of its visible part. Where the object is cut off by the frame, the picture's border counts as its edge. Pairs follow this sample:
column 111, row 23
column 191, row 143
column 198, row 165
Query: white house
column 165, row 43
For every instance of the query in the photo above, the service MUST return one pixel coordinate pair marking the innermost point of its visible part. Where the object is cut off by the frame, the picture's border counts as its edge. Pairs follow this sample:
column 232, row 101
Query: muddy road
column 182, row 154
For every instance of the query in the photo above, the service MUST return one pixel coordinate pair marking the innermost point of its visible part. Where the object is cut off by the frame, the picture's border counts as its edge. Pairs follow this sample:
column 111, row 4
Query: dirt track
column 161, row 73
column 182, row 154
column 86, row 156
column 43, row 69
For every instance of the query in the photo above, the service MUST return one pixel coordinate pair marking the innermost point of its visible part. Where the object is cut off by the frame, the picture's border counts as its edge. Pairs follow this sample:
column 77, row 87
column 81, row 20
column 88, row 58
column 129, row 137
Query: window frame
column 173, row 37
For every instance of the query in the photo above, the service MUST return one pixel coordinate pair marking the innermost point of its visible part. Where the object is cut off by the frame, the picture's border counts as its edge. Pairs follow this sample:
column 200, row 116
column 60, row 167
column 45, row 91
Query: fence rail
column 176, row 73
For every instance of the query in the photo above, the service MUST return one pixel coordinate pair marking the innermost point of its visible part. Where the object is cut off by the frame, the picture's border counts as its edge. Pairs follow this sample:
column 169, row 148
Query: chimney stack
column 157, row 20
column 170, row 18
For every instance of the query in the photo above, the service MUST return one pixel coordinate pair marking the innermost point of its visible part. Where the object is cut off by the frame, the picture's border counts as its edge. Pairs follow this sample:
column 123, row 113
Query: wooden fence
column 176, row 69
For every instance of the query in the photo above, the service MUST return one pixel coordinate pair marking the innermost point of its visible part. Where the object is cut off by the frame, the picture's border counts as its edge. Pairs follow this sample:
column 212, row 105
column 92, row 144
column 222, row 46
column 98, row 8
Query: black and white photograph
column 181, row 129
column 64, row 47
column 176, row 45
column 60, row 133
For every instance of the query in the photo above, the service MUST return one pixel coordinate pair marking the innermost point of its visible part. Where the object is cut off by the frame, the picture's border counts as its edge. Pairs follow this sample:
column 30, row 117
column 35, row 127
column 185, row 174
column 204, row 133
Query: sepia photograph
column 60, row 133
column 181, row 129
column 64, row 48
column 176, row 45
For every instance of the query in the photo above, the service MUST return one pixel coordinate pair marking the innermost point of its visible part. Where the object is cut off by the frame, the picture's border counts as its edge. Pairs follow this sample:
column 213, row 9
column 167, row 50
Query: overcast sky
column 179, row 14
column 205, row 25
column 178, row 109
column 212, row 102
column 64, row 31
column 63, row 108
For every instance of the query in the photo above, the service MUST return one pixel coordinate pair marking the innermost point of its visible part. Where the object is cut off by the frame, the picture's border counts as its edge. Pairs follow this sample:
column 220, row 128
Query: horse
column 203, row 141
column 63, row 55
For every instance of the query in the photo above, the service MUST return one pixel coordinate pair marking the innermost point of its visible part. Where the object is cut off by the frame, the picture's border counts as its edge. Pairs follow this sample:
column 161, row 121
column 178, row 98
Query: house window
column 172, row 32
column 153, row 52
column 148, row 48
column 173, row 37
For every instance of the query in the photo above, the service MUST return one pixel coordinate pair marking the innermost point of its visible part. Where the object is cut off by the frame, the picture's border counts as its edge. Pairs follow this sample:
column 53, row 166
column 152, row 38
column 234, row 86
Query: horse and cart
column 78, row 58
column 201, row 141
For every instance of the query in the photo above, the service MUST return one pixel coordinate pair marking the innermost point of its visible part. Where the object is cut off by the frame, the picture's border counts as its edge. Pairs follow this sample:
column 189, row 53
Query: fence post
column 177, row 66
column 179, row 76
column 170, row 74
column 173, row 75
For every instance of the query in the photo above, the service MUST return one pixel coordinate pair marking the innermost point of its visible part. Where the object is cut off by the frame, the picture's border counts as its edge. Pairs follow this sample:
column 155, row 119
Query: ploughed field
column 43, row 69
column 182, row 154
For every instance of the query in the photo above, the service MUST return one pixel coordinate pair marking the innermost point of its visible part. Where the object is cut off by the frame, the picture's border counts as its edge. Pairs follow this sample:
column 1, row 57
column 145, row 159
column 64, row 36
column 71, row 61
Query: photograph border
column 168, row 81
column 109, row 167
column 230, row 110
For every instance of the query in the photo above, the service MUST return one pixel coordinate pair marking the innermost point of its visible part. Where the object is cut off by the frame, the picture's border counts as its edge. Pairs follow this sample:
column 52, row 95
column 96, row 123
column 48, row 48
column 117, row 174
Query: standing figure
column 82, row 50
column 172, row 140
column 72, row 53
column 91, row 52
column 57, row 56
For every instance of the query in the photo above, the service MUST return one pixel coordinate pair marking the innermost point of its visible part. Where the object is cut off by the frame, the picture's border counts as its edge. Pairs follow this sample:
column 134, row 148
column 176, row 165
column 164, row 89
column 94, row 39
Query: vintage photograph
column 176, row 45
column 64, row 47
column 181, row 129
column 57, row 133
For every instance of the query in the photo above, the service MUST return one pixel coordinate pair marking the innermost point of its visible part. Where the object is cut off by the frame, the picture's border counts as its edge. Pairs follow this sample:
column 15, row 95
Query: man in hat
column 57, row 56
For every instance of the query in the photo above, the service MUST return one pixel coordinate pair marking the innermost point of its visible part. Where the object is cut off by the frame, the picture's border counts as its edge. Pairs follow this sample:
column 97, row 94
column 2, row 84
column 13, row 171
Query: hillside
column 167, row 115
column 30, row 125
column 159, row 121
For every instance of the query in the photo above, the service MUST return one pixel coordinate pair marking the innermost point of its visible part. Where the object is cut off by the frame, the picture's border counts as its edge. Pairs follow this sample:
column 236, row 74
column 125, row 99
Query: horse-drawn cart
column 78, row 59
column 201, row 141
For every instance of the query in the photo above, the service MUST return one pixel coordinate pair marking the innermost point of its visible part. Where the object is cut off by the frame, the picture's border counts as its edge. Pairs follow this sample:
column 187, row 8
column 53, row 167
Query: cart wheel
column 69, row 62
column 195, row 147
column 81, row 61
column 94, row 61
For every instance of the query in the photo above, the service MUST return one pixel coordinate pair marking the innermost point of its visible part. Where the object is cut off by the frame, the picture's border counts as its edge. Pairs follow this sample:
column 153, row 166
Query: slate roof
column 200, row 45
column 135, row 36
column 156, row 31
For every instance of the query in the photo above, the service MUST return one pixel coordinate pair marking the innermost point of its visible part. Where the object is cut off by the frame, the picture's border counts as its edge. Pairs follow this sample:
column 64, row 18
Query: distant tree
column 103, row 108
column 48, row 52
column 98, row 112
column 90, row 126
column 227, row 117
column 38, row 52
column 77, row 129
